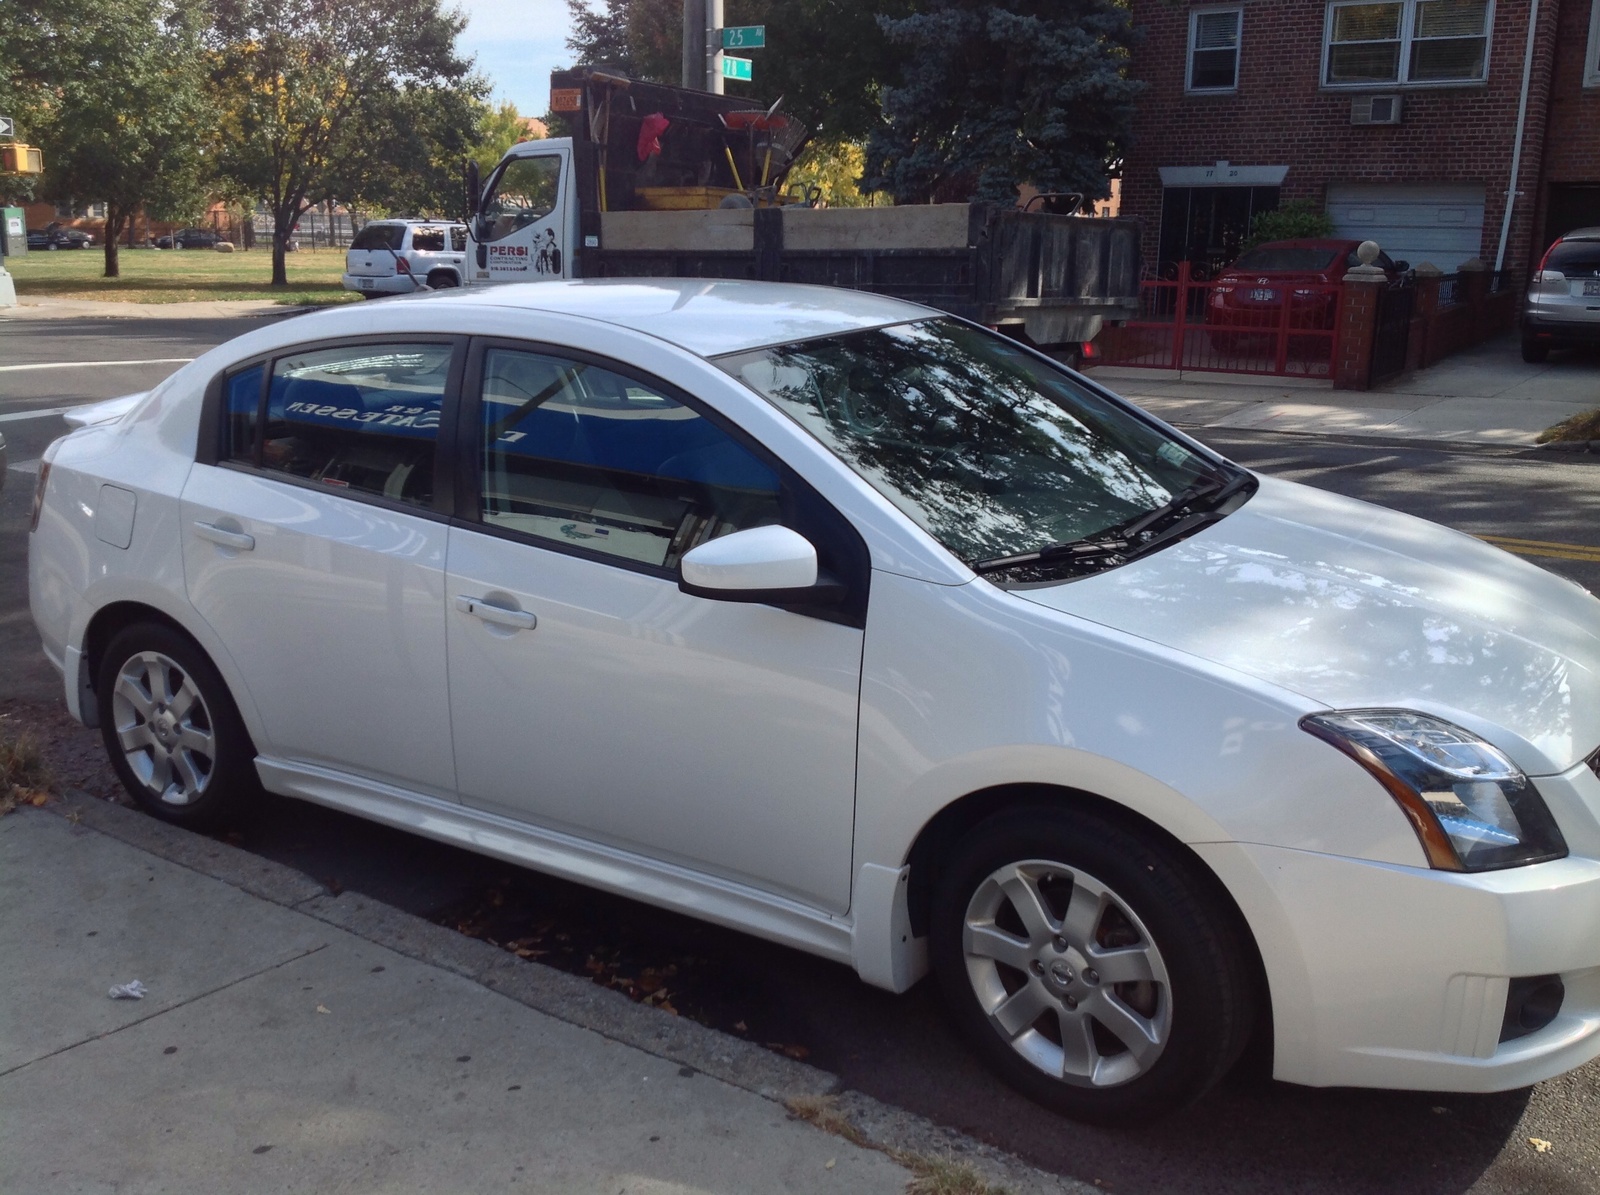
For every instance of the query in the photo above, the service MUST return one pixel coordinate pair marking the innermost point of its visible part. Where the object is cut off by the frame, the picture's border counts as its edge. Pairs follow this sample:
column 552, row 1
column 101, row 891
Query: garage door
column 1441, row 223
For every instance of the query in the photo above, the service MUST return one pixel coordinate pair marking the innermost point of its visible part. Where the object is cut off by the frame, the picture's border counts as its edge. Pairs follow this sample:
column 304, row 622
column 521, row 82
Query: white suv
column 396, row 257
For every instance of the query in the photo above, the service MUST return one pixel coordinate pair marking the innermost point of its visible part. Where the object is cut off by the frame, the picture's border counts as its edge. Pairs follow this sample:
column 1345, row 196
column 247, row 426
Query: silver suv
column 396, row 257
column 1564, row 297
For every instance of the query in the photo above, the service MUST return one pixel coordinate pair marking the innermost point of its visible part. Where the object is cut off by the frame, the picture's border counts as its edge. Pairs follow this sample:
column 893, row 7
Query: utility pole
column 694, row 44
column 713, row 36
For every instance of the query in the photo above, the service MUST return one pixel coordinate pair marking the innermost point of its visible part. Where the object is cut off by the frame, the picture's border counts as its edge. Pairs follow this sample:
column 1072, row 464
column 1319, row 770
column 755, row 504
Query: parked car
column 836, row 619
column 1564, row 297
column 1248, row 297
column 397, row 257
column 189, row 238
column 54, row 236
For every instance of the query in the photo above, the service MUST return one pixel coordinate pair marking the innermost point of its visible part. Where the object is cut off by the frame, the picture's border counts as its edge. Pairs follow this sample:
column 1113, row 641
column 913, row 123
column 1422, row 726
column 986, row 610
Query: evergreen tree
column 997, row 94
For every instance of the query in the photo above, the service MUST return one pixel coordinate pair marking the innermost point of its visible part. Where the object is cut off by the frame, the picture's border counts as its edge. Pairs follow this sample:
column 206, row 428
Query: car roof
column 1308, row 243
column 705, row 316
column 408, row 221
column 1582, row 234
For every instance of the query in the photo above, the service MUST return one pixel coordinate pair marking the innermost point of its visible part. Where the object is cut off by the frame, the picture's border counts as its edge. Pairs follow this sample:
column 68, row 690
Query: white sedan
column 863, row 629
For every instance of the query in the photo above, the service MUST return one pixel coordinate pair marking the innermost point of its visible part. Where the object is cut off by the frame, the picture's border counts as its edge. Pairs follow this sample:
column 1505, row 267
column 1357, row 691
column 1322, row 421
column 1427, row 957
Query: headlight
column 1472, row 808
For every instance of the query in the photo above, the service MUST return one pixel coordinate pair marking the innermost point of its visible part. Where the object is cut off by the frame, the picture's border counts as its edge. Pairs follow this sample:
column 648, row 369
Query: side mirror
column 763, row 564
column 473, row 186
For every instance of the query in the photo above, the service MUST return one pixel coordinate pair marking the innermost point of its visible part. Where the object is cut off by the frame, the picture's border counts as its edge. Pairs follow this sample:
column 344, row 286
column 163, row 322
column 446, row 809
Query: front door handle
column 237, row 540
column 517, row 620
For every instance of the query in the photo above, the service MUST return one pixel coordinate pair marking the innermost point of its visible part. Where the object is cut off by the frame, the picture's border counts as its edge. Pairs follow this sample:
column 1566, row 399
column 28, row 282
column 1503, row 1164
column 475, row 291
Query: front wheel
column 1534, row 350
column 1091, row 966
column 174, row 736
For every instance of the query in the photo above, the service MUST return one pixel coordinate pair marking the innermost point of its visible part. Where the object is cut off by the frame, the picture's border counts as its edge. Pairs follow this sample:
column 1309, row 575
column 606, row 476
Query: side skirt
column 679, row 889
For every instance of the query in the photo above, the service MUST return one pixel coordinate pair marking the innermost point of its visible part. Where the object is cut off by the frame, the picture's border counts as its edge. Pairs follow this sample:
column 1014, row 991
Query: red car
column 1248, row 297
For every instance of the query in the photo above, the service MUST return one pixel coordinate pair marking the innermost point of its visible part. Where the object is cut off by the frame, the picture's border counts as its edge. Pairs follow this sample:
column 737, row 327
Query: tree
column 834, row 168
column 641, row 38
column 119, row 100
column 1291, row 221
column 996, row 94
column 496, row 130
column 294, row 79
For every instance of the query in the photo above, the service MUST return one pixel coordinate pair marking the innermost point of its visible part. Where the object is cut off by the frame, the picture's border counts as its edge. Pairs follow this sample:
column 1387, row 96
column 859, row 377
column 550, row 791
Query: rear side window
column 363, row 418
column 379, row 236
column 1579, row 259
column 427, row 239
column 242, row 396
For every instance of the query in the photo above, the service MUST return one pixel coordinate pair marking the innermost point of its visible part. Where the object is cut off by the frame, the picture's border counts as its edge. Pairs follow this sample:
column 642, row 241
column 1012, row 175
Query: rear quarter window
column 1575, row 258
column 427, row 239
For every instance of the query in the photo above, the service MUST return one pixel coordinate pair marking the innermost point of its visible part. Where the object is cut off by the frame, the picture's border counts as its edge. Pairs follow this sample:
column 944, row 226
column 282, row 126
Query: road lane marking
column 88, row 364
column 1541, row 547
column 19, row 415
column 26, row 466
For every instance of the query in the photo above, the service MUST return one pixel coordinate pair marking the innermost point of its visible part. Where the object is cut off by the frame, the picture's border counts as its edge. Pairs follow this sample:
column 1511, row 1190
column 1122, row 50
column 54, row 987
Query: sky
column 517, row 43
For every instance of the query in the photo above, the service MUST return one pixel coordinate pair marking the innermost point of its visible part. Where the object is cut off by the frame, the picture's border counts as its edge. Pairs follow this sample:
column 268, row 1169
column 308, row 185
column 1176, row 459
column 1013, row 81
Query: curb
column 565, row 997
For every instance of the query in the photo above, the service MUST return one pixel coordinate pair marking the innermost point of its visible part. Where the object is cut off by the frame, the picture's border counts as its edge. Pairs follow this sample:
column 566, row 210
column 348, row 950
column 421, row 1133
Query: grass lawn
column 181, row 275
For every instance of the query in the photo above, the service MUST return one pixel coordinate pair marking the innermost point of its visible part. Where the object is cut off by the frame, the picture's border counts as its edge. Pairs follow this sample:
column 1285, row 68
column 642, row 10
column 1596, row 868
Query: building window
column 1214, row 49
column 1591, row 64
column 1407, row 41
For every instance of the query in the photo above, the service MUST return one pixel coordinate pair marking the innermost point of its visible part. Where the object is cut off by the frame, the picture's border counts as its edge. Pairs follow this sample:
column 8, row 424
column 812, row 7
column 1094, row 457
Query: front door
column 588, row 693
column 520, row 224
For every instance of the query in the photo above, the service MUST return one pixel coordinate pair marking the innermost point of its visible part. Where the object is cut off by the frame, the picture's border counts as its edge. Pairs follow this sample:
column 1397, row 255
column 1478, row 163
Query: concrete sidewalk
column 37, row 307
column 293, row 1040
column 1486, row 395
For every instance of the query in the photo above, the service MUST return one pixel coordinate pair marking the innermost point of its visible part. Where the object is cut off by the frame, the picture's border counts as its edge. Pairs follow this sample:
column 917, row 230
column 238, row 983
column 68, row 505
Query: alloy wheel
column 163, row 727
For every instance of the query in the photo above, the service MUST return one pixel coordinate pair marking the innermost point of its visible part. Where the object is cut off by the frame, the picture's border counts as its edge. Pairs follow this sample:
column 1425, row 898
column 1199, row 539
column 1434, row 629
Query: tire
column 442, row 280
column 1534, row 351
column 171, row 728
column 1036, row 913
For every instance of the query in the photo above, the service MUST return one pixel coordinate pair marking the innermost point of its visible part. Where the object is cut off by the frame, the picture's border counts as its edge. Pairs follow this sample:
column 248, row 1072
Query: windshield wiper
column 1117, row 545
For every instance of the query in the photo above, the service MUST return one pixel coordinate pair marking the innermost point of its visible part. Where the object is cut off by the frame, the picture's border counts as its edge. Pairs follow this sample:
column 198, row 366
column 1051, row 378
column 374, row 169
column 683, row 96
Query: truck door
column 520, row 232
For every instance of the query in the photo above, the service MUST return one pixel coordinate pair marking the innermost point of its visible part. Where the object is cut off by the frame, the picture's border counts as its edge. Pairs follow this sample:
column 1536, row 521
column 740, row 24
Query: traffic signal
column 16, row 158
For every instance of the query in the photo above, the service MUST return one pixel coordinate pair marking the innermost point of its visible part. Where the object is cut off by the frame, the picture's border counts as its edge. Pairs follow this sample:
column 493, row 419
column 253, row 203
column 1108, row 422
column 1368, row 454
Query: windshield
column 988, row 449
column 379, row 236
column 1286, row 258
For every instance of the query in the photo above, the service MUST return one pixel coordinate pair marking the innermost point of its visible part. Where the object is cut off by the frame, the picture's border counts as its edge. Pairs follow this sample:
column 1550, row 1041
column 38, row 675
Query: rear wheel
column 1090, row 966
column 174, row 736
column 1534, row 350
column 442, row 280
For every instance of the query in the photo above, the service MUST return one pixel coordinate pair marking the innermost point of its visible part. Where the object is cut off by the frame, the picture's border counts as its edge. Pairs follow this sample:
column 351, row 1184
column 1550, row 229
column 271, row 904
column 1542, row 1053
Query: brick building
column 1399, row 117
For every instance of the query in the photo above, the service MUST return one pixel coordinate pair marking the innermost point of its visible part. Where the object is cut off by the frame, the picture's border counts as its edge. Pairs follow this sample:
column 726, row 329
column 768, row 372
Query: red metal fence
column 1267, row 325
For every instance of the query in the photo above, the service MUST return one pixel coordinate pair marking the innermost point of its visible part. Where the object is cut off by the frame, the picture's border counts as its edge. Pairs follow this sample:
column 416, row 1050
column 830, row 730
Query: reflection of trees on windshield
column 973, row 439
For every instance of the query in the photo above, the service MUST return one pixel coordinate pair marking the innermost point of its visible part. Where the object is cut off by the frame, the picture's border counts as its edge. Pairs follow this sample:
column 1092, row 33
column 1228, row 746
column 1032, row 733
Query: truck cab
column 527, row 220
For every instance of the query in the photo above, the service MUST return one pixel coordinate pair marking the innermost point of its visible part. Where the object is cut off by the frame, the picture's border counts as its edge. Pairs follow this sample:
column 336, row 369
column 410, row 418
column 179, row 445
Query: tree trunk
column 115, row 218
column 280, row 238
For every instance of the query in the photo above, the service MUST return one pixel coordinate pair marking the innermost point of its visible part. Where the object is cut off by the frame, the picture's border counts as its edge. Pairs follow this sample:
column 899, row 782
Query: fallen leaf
column 323, row 1008
column 1540, row 1144
column 741, row 1027
column 831, row 1161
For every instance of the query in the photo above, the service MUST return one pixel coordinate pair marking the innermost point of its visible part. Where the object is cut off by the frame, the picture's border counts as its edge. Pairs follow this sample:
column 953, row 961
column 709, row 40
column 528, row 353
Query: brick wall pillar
column 1475, row 294
column 1358, row 323
column 1425, row 279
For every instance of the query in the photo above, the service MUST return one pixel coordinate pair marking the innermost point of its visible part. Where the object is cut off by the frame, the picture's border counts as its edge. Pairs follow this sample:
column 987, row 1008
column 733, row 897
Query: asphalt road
column 1251, row 1136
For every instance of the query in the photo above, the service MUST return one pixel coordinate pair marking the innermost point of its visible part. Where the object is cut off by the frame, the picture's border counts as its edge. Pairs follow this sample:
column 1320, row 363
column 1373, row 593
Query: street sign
column 8, row 127
column 744, row 37
column 736, row 68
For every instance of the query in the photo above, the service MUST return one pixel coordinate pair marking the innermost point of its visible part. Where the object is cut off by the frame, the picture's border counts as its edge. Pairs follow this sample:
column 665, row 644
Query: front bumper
column 1389, row 976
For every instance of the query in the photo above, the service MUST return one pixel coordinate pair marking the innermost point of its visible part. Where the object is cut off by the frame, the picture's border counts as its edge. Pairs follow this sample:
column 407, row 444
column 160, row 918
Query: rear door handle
column 518, row 620
column 237, row 540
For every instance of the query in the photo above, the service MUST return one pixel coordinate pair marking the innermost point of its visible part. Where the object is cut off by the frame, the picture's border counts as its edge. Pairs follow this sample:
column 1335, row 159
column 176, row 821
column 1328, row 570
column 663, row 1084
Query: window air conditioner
column 1375, row 109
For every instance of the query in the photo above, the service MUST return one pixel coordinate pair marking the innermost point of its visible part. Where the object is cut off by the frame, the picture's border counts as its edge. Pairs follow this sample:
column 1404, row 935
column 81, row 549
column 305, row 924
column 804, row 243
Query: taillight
column 38, row 497
column 402, row 265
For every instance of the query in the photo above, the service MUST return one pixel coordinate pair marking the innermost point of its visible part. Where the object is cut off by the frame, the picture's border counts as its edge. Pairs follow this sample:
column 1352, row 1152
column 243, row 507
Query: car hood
column 1350, row 605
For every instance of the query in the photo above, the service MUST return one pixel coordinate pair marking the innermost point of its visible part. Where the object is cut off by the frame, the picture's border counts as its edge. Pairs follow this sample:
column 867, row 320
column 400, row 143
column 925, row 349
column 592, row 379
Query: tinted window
column 1578, row 258
column 428, row 239
column 242, row 396
column 361, row 418
column 581, row 456
column 1269, row 258
column 379, row 236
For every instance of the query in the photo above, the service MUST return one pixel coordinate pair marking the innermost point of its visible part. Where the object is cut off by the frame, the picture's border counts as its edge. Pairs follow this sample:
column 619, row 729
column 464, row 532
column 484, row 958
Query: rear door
column 314, row 547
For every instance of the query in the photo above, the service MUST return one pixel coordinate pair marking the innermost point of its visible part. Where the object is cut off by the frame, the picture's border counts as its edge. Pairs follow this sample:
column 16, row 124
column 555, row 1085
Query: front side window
column 1407, row 41
column 1214, row 49
column 581, row 457
column 987, row 449
column 427, row 239
column 358, row 418
column 1591, row 63
column 524, row 192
